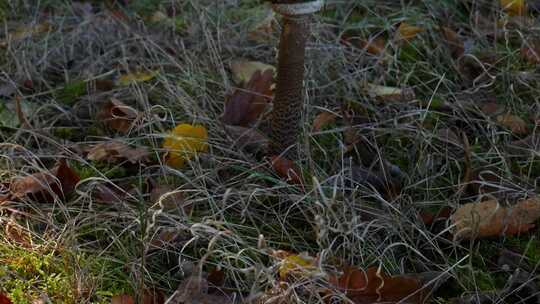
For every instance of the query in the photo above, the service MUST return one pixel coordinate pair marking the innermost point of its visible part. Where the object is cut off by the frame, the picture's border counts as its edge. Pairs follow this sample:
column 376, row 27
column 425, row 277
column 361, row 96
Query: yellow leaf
column 26, row 32
column 407, row 31
column 243, row 70
column 127, row 79
column 514, row 7
column 297, row 263
column 184, row 142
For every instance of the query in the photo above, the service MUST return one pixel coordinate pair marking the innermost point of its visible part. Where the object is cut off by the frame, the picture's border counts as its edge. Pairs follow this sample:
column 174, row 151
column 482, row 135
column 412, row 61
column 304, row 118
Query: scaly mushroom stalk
column 288, row 102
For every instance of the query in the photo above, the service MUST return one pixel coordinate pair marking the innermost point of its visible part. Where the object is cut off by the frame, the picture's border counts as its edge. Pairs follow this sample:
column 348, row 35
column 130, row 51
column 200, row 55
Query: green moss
column 26, row 274
column 70, row 93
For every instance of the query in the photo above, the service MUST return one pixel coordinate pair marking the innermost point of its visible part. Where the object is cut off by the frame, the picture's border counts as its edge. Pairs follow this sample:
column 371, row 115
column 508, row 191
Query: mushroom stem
column 288, row 101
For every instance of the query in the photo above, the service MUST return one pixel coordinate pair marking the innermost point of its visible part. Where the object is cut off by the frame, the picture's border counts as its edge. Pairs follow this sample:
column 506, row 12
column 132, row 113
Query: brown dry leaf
column 148, row 297
column 248, row 138
column 490, row 219
column 245, row 106
column 122, row 299
column 170, row 198
column 287, row 169
column 390, row 94
column 515, row 123
column 165, row 238
column 114, row 151
column 117, row 115
column 429, row 217
column 244, row 70
column 454, row 42
column 375, row 46
column 323, row 119
column 4, row 299
column 514, row 7
column 531, row 54
column 60, row 180
column 366, row 287
column 107, row 195
column 194, row 290
column 18, row 234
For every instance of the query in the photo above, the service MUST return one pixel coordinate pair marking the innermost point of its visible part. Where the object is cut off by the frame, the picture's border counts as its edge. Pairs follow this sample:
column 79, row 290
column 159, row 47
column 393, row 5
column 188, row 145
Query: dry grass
column 236, row 200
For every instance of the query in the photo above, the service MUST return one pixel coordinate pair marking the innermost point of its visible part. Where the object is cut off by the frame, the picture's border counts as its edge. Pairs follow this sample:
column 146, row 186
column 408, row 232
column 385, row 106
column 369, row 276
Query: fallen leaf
column 407, row 31
column 428, row 217
column 245, row 106
column 216, row 277
column 115, row 151
column 287, row 169
column 60, row 180
column 390, row 94
column 295, row 265
column 490, row 219
column 375, row 46
column 370, row 286
column 26, row 32
column 194, row 290
column 514, row 7
column 248, row 138
column 18, row 234
column 454, row 42
column 243, row 70
column 184, row 142
column 135, row 77
column 168, row 197
column 122, row 299
column 531, row 54
column 117, row 115
column 107, row 195
column 515, row 123
column 4, row 299
column 323, row 119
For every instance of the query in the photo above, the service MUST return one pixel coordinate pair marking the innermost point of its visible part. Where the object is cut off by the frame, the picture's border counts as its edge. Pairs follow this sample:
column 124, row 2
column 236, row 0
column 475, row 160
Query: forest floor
column 133, row 165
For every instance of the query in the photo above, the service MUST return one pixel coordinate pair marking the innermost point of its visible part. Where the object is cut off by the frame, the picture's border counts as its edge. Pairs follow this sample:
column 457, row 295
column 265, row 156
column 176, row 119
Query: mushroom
column 288, row 101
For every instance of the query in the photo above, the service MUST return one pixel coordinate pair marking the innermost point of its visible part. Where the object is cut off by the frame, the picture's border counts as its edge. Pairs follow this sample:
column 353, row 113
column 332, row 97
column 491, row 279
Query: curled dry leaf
column 243, row 70
column 371, row 286
column 515, row 123
column 490, row 219
column 60, row 180
column 249, row 138
column 245, row 106
column 183, row 143
column 117, row 115
column 115, row 151
column 287, row 169
column 390, row 94
column 323, row 119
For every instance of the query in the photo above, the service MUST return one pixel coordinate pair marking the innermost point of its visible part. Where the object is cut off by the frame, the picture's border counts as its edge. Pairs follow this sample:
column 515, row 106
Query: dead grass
column 239, row 208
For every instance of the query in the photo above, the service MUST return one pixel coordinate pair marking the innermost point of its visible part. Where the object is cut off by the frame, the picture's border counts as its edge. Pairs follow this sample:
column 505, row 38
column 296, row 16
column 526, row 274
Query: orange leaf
column 370, row 286
column 286, row 169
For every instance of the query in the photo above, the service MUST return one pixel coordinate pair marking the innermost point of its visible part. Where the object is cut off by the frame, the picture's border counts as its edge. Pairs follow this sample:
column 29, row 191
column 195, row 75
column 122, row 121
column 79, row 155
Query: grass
column 84, row 251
